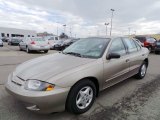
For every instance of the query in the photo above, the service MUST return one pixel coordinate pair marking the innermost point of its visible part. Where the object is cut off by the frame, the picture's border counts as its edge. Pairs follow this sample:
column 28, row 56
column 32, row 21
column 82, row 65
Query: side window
column 137, row 44
column 117, row 46
column 130, row 44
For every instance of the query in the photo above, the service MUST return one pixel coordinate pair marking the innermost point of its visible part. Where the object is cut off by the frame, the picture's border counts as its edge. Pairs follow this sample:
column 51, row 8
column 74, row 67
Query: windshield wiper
column 73, row 53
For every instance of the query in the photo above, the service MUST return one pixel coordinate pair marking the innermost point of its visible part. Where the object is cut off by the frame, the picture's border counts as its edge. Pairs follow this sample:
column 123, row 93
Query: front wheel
column 150, row 49
column 81, row 97
column 142, row 71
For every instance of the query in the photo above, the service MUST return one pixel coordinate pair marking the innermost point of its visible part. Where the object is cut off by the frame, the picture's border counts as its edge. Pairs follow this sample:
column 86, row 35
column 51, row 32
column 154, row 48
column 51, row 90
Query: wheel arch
column 147, row 61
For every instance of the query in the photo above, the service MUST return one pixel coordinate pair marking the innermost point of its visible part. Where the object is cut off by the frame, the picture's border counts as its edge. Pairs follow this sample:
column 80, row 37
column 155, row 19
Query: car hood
column 48, row 66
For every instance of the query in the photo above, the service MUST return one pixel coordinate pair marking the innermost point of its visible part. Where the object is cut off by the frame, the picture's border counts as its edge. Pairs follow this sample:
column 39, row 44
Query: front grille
column 18, row 81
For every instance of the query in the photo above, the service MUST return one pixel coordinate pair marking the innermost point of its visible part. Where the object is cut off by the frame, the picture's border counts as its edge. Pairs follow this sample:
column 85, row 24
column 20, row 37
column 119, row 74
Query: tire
column 28, row 50
column 46, row 51
column 156, row 52
column 20, row 49
column 87, row 99
column 142, row 71
column 150, row 49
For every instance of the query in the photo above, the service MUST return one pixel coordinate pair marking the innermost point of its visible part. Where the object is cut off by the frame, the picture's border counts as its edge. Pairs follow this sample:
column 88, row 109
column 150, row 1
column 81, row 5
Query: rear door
column 135, row 55
column 116, row 70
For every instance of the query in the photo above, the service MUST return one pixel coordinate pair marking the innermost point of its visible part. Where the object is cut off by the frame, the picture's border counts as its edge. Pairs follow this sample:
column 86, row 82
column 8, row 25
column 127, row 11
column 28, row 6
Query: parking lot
column 131, row 99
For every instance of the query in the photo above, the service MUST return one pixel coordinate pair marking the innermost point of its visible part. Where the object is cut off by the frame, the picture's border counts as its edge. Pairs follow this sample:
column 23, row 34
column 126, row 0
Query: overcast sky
column 84, row 17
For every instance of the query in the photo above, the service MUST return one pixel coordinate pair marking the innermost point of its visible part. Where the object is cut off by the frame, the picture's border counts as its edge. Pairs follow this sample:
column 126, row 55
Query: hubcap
column 84, row 97
column 143, row 70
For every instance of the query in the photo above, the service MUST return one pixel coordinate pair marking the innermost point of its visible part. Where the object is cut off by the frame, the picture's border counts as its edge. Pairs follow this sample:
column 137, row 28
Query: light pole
column 112, row 10
column 70, row 31
column 106, row 24
column 129, row 31
column 57, row 30
column 64, row 28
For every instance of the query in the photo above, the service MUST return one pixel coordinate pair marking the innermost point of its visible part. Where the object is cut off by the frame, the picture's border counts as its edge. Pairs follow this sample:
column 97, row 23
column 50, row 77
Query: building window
column 7, row 35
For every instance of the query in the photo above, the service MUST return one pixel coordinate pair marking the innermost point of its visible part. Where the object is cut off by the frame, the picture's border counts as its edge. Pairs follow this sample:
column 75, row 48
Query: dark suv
column 157, row 47
column 148, row 42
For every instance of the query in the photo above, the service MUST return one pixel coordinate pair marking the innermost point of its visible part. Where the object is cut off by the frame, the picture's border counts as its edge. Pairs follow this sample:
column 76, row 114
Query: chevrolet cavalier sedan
column 73, row 78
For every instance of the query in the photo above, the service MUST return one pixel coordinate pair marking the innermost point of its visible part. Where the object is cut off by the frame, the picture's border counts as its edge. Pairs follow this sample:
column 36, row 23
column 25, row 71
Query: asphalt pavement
column 131, row 99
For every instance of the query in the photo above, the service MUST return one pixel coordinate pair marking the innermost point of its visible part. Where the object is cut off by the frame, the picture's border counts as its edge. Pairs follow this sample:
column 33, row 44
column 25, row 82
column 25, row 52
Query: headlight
column 37, row 85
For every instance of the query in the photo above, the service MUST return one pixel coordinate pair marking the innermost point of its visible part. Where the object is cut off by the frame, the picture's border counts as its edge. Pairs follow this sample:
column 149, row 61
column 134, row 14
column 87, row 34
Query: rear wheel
column 46, row 51
column 142, row 71
column 28, row 50
column 81, row 97
column 156, row 52
column 20, row 48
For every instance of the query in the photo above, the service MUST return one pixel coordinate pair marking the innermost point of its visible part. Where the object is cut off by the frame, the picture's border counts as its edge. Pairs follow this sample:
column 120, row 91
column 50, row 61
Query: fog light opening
column 33, row 108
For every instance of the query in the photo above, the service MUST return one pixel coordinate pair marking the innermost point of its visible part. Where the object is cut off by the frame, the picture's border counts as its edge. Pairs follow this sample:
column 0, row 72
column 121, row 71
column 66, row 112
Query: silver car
column 1, row 43
column 34, row 44
column 73, row 78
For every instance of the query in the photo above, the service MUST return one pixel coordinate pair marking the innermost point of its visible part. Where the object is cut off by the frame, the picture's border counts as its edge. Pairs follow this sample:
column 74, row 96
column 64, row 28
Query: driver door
column 116, row 70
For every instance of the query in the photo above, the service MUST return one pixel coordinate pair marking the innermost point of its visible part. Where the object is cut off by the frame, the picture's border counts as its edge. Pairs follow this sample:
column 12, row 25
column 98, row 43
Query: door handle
column 127, row 60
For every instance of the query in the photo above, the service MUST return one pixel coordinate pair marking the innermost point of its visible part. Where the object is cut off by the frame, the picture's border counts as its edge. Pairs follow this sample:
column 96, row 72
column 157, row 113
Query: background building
column 13, row 32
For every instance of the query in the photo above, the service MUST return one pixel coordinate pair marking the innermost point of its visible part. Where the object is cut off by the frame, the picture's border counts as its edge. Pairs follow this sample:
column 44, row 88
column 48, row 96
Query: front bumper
column 45, row 101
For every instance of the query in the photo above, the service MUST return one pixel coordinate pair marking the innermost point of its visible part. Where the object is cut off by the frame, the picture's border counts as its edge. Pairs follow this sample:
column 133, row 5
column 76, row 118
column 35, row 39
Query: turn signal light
column 49, row 88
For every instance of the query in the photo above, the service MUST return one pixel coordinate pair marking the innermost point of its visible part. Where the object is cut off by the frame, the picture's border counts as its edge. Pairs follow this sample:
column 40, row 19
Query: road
column 131, row 99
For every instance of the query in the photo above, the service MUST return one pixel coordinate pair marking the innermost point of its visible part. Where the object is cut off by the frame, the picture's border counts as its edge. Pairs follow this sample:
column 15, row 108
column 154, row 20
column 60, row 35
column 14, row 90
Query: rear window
column 151, row 40
column 37, row 39
column 158, row 42
column 141, row 39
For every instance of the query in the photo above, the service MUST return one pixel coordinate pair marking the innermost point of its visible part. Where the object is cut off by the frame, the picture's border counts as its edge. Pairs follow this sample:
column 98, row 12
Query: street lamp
column 106, row 24
column 64, row 28
column 112, row 10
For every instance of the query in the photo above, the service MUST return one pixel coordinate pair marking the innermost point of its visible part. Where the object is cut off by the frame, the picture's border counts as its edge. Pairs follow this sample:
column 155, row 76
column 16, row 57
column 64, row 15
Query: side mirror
column 113, row 56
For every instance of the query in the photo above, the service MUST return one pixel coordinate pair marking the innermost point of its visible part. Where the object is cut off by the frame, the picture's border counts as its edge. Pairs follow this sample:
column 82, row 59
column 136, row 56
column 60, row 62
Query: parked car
column 1, row 43
column 148, row 42
column 157, row 47
column 5, row 39
column 58, row 45
column 67, row 42
column 14, row 41
column 52, row 40
column 34, row 44
column 73, row 78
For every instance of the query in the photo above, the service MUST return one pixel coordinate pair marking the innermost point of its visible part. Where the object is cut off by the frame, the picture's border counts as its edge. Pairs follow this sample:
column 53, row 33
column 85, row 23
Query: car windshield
column 59, row 41
column 89, row 47
column 37, row 39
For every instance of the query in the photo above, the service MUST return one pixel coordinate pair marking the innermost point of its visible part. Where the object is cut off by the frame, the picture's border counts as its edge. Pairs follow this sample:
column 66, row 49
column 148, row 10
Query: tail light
column 33, row 43
column 146, row 43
